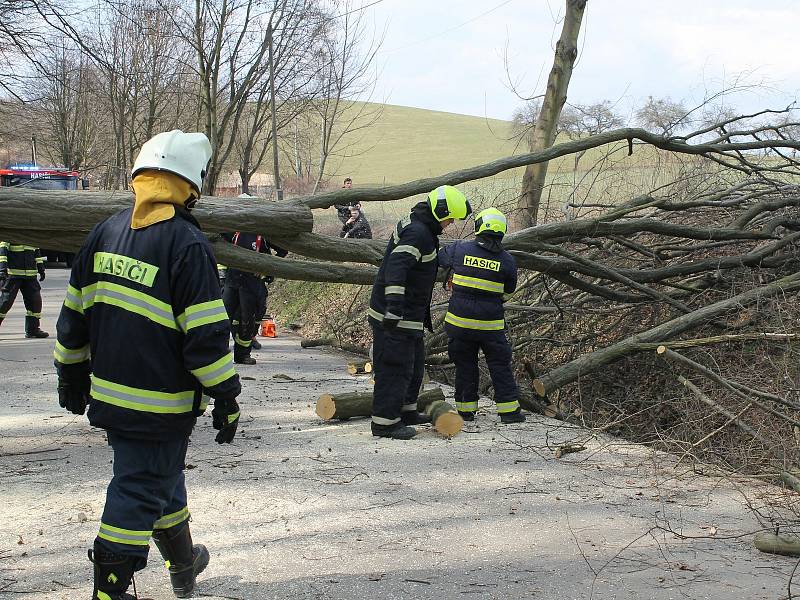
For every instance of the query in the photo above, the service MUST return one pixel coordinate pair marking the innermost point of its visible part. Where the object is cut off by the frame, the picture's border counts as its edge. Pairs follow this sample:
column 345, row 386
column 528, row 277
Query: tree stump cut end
column 326, row 407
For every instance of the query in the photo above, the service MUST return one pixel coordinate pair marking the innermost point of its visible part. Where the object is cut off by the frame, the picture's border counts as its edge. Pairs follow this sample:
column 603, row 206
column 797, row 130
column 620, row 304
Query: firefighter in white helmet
column 143, row 316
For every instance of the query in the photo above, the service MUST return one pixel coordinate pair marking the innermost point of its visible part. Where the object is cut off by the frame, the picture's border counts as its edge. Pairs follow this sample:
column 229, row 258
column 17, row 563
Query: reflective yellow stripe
column 478, row 324
column 204, row 313
column 131, row 300
column 69, row 356
column 140, row 399
column 119, row 535
column 429, row 257
column 19, row 248
column 467, row 406
column 73, row 299
column 23, row 272
column 3, row 258
column 40, row 259
column 395, row 289
column 416, row 325
column 102, row 595
column 507, row 407
column 241, row 342
column 479, row 284
column 382, row 421
column 36, row 315
column 408, row 249
column 172, row 519
column 216, row 372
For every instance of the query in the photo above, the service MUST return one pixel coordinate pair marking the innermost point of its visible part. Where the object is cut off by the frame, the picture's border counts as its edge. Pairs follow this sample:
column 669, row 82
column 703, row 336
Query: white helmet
column 184, row 154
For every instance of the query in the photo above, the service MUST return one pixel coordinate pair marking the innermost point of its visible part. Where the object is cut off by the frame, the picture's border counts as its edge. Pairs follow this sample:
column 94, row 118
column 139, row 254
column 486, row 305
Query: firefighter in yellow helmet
column 400, row 310
column 143, row 316
column 484, row 276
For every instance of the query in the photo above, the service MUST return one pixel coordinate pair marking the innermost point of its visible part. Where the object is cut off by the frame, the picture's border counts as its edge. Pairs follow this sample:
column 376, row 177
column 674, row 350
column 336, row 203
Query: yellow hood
column 157, row 194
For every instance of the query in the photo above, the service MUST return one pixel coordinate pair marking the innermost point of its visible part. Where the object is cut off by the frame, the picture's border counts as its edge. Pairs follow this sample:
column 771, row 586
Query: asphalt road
column 301, row 508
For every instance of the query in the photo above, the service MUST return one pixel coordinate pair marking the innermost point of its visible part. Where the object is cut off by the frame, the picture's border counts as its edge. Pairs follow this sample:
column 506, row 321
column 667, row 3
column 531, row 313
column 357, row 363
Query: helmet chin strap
column 190, row 202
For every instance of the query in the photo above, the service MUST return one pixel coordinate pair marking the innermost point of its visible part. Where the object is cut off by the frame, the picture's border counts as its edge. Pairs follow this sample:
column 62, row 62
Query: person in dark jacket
column 343, row 210
column 143, row 341
column 245, row 296
column 19, row 266
column 400, row 309
column 484, row 275
column 357, row 226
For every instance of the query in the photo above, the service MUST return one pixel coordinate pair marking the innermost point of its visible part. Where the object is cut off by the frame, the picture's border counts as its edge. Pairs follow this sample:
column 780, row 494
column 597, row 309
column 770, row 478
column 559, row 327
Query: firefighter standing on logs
column 143, row 316
column 400, row 309
column 19, row 266
column 484, row 275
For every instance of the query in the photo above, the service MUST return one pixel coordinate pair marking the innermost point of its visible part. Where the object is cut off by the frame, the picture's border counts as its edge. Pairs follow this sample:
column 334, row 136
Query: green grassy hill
column 411, row 143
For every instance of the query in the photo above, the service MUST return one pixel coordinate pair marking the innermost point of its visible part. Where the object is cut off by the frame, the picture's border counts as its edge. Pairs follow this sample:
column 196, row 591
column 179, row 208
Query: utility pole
column 33, row 149
column 275, row 171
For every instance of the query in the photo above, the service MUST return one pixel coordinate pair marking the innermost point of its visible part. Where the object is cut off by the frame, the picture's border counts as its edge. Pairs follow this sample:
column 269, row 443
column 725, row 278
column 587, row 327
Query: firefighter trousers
column 463, row 346
column 31, row 296
column 147, row 492
column 242, row 305
column 399, row 366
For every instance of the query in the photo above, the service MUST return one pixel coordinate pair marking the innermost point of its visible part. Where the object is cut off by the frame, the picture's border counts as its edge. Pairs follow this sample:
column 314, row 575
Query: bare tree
column 544, row 132
column 63, row 96
column 662, row 115
column 345, row 76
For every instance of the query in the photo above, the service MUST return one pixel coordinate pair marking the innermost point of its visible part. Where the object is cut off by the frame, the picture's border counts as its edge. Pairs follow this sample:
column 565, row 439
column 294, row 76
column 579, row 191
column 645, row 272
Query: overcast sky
column 449, row 54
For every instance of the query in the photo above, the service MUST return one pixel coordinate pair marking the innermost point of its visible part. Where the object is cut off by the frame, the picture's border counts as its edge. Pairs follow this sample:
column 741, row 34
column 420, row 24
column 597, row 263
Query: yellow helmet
column 447, row 202
column 491, row 220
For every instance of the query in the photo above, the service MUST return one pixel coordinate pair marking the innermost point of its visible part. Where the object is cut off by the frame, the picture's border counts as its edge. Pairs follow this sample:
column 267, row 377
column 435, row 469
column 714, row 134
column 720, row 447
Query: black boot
column 398, row 431
column 112, row 574
column 32, row 329
column 255, row 344
column 241, row 355
column 184, row 560
column 412, row 417
column 512, row 417
column 467, row 415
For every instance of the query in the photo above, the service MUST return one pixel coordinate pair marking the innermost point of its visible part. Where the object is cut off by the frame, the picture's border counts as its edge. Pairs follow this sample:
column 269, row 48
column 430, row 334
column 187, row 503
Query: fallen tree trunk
column 330, row 341
column 22, row 208
column 588, row 363
column 225, row 253
column 773, row 543
column 422, row 186
column 444, row 417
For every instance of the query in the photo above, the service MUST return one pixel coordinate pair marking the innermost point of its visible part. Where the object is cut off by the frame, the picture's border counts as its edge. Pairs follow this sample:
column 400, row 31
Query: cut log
column 444, row 417
column 359, row 367
column 772, row 543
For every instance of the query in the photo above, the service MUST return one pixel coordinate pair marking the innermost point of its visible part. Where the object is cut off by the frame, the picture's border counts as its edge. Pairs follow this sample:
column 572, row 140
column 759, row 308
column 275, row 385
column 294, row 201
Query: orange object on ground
column 268, row 328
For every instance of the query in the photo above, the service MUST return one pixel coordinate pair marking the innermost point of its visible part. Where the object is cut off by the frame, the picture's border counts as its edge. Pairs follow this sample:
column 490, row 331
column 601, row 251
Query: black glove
column 3, row 278
column 41, row 275
column 225, row 419
column 74, row 397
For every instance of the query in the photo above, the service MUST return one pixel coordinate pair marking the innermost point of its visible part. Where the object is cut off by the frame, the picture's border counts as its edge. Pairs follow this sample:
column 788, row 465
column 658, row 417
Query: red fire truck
column 34, row 177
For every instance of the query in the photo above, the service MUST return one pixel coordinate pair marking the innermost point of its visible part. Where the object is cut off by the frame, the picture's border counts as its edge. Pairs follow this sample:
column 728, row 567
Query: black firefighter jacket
column 20, row 262
column 143, row 312
column 484, row 276
column 406, row 277
column 257, row 243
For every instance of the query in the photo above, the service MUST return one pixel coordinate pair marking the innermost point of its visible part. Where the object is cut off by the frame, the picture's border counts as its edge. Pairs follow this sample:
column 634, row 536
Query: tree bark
column 544, row 132
column 21, row 208
column 773, row 543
